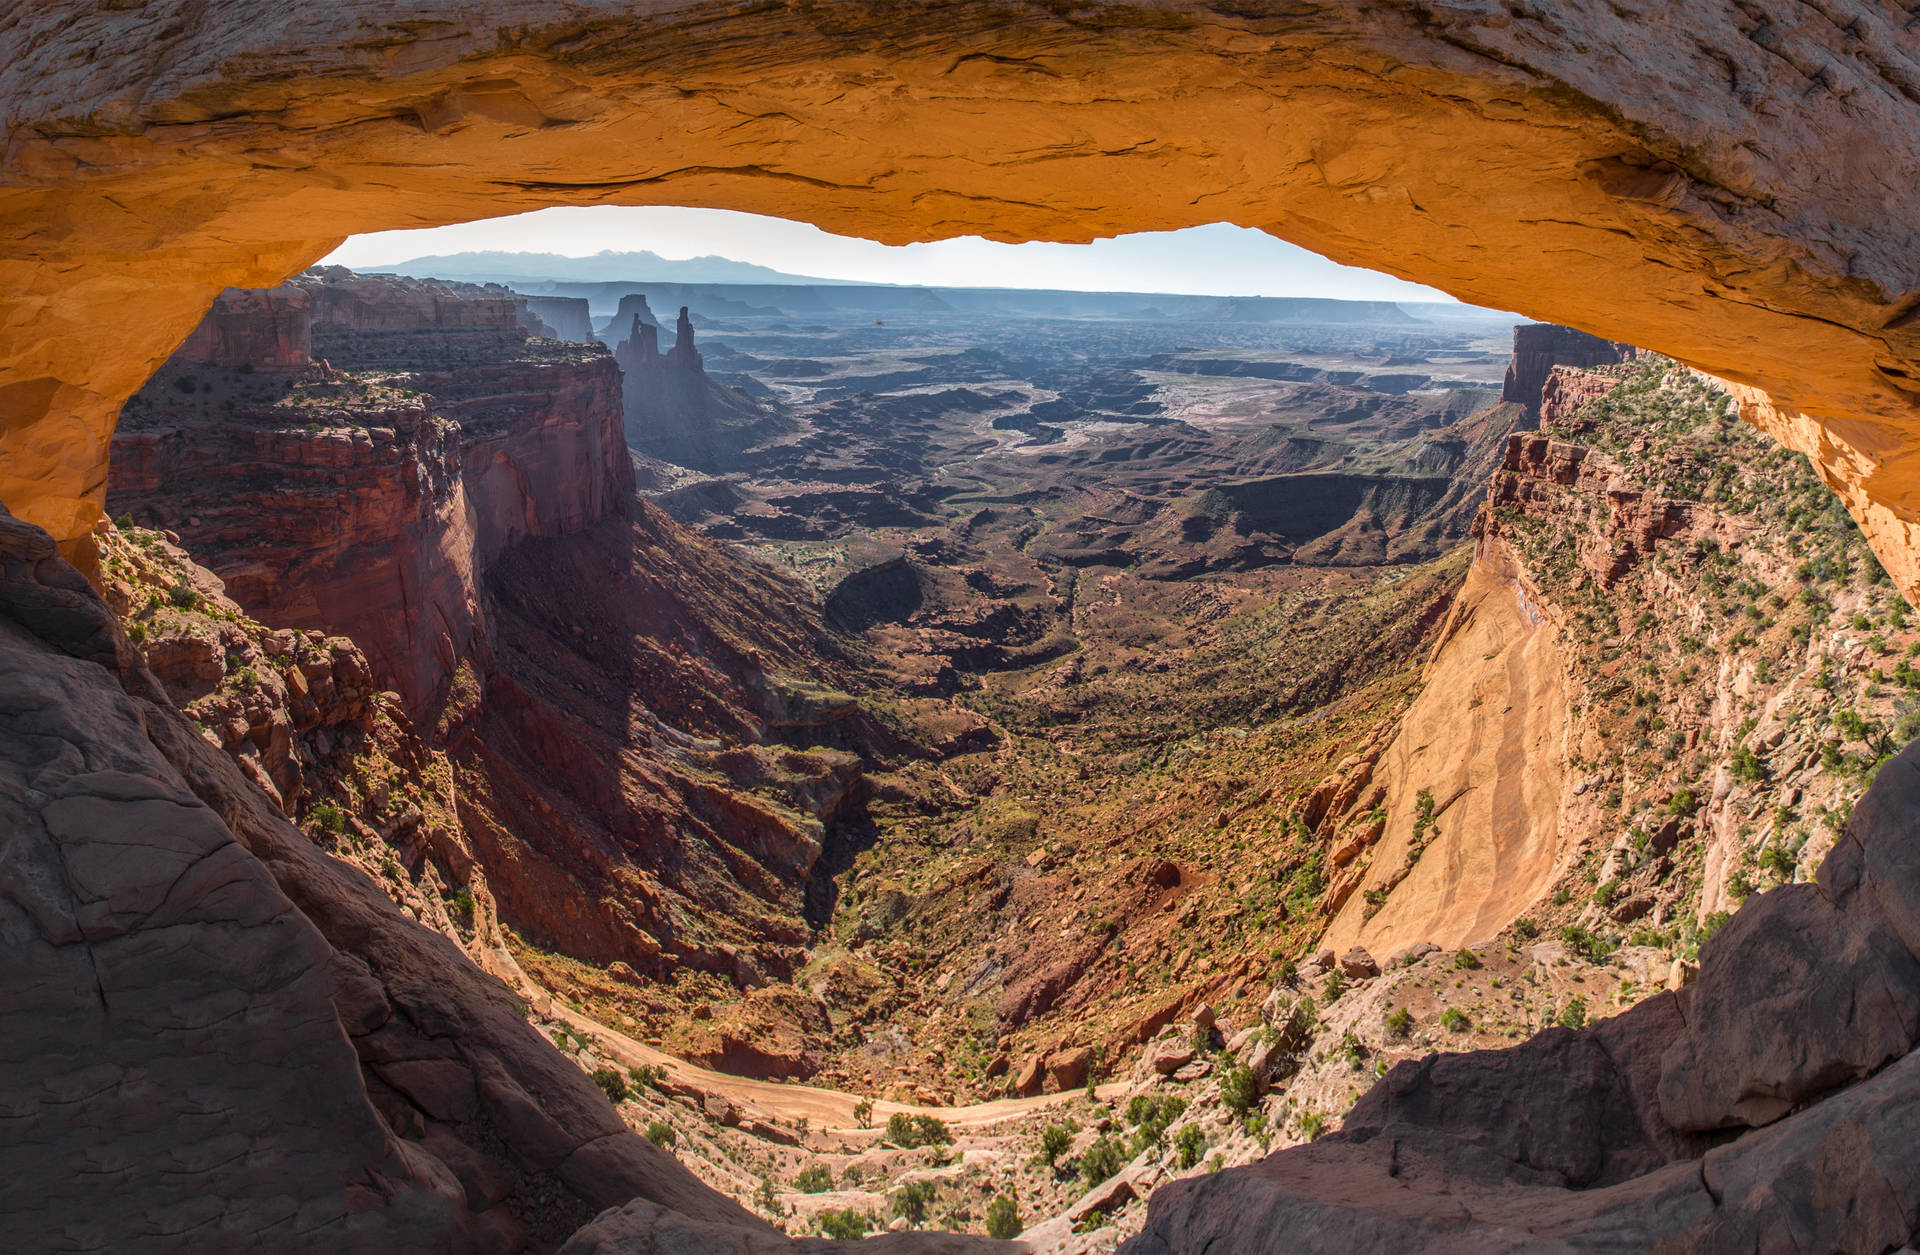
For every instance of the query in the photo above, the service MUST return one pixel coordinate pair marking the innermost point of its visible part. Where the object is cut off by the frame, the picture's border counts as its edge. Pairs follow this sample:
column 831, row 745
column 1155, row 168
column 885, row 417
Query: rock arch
column 1732, row 189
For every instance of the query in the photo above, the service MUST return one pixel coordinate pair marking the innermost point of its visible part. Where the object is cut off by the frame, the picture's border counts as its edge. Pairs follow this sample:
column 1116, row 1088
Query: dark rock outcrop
column 216, row 1030
column 1802, row 1022
column 1539, row 347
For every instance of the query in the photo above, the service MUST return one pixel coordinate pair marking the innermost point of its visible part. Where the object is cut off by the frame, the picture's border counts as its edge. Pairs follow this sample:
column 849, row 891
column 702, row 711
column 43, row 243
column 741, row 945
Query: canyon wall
column 455, row 497
column 1485, row 741
column 1696, row 180
column 1539, row 347
column 368, row 494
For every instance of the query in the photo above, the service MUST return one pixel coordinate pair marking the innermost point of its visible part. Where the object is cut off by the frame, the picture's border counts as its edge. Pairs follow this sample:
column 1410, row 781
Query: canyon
column 1686, row 183
column 1242, row 777
column 1068, row 633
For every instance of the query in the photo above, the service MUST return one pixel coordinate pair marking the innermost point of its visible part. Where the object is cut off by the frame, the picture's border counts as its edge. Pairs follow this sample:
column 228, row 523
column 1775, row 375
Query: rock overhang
column 1693, row 180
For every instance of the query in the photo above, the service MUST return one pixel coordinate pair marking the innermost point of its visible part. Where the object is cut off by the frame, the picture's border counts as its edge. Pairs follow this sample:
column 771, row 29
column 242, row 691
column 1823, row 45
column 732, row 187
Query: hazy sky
column 1218, row 260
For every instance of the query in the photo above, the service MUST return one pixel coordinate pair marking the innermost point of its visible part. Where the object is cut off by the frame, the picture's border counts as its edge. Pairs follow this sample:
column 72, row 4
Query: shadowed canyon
column 588, row 762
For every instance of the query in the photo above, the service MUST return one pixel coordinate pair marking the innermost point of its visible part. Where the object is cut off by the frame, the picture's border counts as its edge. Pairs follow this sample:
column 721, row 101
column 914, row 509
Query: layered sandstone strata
column 367, row 496
column 1540, row 347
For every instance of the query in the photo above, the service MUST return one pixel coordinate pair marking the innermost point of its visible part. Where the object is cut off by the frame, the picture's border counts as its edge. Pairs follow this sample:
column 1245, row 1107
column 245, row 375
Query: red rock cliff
column 269, row 327
column 1539, row 347
column 365, row 496
column 456, row 498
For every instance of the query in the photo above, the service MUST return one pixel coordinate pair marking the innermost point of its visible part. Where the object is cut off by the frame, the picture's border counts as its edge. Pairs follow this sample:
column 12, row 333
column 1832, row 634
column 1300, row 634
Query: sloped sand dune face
column 1671, row 176
column 1485, row 739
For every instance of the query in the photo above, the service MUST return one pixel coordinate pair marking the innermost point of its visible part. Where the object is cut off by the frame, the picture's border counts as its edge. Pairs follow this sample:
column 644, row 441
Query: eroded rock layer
column 367, row 493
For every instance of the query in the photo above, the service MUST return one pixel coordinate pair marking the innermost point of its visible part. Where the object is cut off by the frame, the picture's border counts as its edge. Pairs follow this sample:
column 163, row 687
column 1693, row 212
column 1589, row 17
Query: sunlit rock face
column 1728, row 188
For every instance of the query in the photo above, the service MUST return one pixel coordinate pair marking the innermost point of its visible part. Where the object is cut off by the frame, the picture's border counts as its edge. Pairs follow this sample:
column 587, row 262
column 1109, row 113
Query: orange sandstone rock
column 1669, row 176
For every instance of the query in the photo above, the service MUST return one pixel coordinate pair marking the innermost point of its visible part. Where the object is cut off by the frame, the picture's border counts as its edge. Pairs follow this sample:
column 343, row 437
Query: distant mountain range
column 608, row 266
column 719, row 287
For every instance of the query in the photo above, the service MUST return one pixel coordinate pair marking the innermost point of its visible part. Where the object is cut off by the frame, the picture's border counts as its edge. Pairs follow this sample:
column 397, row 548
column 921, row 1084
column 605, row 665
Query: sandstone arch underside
column 1728, row 187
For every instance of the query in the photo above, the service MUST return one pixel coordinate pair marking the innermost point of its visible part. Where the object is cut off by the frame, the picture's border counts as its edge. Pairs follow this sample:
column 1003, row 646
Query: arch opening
column 1459, row 154
column 1682, row 185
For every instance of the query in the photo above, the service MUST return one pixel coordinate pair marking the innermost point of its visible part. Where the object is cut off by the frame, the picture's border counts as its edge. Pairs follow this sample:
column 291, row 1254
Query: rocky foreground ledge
column 1773, row 1105
column 214, row 1037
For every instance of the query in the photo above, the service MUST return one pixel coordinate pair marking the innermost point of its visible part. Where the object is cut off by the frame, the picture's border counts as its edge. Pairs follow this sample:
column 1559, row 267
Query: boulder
column 1169, row 1058
column 1068, row 1069
column 1357, row 964
column 1794, row 998
column 1027, row 1080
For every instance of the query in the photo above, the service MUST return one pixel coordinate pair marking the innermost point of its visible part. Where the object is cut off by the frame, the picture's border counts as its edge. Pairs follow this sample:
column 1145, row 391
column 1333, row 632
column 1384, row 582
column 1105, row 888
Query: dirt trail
column 824, row 1110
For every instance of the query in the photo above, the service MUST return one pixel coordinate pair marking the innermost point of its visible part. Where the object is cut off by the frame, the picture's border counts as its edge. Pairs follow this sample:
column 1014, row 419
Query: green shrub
column 816, row 1179
column 1151, row 1115
column 1312, row 1125
column 930, row 1131
column 1747, row 766
column 1054, row 1141
column 1465, row 960
column 1238, row 1089
column 1778, row 861
column 1454, row 1020
column 1400, row 1022
column 863, row 1112
column 911, row 1201
column 1003, row 1219
column 327, row 817
column 1189, row 1144
column 900, row 1130
column 844, row 1225
column 1102, row 1160
column 1584, row 942
column 1574, row 1014
column 612, row 1082
column 661, row 1134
